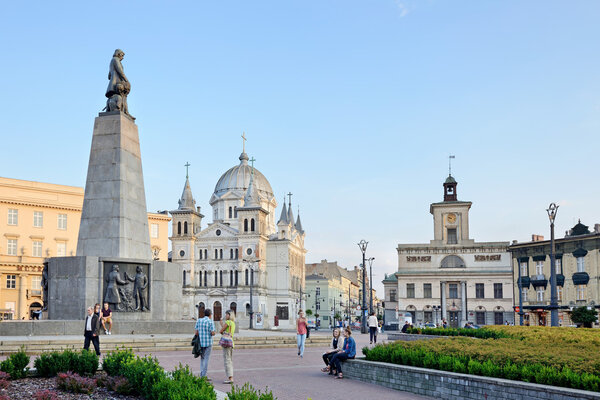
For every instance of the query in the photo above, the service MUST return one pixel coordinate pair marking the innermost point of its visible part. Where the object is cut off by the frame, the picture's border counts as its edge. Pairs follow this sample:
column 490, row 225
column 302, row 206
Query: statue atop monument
column 118, row 85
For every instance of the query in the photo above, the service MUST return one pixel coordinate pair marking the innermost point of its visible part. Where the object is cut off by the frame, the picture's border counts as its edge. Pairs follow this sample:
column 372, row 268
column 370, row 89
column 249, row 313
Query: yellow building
column 38, row 221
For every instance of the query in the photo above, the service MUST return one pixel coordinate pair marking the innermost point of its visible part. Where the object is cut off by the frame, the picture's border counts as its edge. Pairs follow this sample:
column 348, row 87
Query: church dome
column 237, row 179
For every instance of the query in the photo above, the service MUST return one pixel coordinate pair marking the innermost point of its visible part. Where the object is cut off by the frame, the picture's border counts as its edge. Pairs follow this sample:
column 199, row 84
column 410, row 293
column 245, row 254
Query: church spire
column 299, row 223
column 187, row 200
column 251, row 198
column 284, row 214
column 290, row 216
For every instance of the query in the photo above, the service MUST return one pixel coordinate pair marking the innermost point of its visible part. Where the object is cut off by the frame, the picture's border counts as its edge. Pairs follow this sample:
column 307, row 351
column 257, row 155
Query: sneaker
column 109, row 332
column 106, row 331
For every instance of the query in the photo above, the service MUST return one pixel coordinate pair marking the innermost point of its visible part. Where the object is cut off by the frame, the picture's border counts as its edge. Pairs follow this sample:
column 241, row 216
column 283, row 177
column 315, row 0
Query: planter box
column 453, row 386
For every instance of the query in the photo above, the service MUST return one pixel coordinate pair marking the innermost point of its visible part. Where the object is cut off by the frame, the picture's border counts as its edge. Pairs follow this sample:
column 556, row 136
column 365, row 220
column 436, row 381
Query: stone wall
column 120, row 327
column 453, row 386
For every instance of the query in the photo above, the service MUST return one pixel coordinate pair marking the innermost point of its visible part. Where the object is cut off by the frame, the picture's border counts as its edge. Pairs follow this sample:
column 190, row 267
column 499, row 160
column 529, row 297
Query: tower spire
column 450, row 158
column 284, row 214
column 187, row 165
column 251, row 198
column 290, row 216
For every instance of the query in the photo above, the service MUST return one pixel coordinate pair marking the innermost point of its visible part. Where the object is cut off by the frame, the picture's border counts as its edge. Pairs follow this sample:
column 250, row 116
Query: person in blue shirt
column 205, row 329
column 348, row 351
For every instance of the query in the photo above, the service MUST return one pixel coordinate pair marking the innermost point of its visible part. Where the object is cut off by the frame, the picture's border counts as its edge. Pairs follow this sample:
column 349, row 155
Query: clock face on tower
column 451, row 218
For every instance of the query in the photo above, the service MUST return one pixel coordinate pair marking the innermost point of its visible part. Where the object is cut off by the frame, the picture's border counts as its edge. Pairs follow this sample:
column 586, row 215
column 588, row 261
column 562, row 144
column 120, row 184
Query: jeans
column 228, row 360
column 300, row 339
column 335, row 361
column 327, row 358
column 95, row 341
column 204, row 357
column 373, row 333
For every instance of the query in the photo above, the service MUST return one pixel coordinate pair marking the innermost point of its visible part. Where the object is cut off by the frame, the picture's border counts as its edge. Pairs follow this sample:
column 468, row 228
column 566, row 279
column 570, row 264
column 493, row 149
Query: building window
column 540, row 294
column 246, row 277
column 392, row 294
column 580, row 290
column 427, row 291
column 220, row 278
column 246, row 225
column 184, row 273
column 558, row 265
column 236, row 278
column 498, row 318
column 230, row 212
column 200, row 255
column 221, row 254
column 13, row 216
column 200, row 278
column 61, row 249
column 479, row 291
column 205, row 279
column 179, row 228
column 282, row 311
column 38, row 219
column 231, row 254
column 216, row 278
column 497, row 290
column 230, row 278
column 36, row 283
column 539, row 267
column 216, row 254
column 580, row 264
column 154, row 231
column 410, row 290
column 11, row 247
column 237, row 253
column 524, row 269
column 37, row 248
column 235, row 212
column 318, row 306
column 559, row 293
column 453, row 291
column 252, row 224
column 11, row 281
column 318, row 291
column 62, row 222
column 428, row 316
column 524, row 293
column 480, row 317
column 185, row 228
column 206, row 254
column 452, row 239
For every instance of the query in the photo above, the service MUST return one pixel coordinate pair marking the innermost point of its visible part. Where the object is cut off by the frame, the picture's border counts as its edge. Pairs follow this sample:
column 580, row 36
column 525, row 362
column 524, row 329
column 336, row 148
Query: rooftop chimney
column 537, row 238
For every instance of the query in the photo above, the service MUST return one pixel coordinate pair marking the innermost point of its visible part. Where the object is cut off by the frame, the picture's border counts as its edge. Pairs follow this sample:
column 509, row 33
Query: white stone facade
column 453, row 277
column 219, row 260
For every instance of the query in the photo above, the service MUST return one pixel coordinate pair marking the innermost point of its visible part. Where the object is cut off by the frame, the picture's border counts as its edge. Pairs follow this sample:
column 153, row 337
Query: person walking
column 348, row 351
column 205, row 329
column 90, row 331
column 372, row 323
column 227, row 330
column 301, row 328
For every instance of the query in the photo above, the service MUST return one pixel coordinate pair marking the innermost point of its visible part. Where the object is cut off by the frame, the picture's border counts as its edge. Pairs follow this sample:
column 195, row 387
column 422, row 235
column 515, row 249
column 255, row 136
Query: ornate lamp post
column 552, row 209
column 363, row 321
column 370, row 260
column 251, row 262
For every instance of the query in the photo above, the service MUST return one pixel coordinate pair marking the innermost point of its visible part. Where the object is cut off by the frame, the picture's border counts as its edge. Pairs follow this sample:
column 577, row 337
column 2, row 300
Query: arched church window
column 216, row 279
column 205, row 278
column 206, row 254
column 231, row 254
column 200, row 279
column 245, row 224
column 235, row 211
column 452, row 262
column 220, row 278
column 179, row 228
column 230, row 278
column 236, row 278
column 221, row 254
column 247, row 309
column 246, row 277
column 216, row 254
column 233, row 307
column 252, row 224
column 237, row 254
column 185, row 228
column 230, row 212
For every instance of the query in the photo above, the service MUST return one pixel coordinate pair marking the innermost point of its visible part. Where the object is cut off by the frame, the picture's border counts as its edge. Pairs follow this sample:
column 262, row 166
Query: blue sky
column 353, row 106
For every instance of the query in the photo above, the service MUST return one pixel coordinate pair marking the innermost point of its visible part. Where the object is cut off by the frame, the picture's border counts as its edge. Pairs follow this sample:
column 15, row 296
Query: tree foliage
column 582, row 315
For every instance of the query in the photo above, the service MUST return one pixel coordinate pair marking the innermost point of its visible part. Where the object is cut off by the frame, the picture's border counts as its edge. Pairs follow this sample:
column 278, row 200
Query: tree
column 308, row 313
column 582, row 315
column 337, row 316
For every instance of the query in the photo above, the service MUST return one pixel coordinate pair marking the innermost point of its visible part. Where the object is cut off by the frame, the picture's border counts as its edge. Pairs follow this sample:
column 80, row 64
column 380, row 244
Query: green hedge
column 83, row 362
column 16, row 365
column 247, row 392
column 481, row 333
column 528, row 372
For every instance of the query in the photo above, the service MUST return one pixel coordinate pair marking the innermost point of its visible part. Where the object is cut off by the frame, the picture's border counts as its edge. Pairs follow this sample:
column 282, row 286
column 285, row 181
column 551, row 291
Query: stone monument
column 114, row 261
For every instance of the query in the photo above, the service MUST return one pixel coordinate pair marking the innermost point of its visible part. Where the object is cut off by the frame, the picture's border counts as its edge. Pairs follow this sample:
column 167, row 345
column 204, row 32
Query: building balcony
column 560, row 280
column 539, row 280
column 581, row 278
column 524, row 281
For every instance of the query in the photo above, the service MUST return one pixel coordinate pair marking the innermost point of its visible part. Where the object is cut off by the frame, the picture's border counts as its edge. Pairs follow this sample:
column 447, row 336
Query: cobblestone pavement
column 287, row 375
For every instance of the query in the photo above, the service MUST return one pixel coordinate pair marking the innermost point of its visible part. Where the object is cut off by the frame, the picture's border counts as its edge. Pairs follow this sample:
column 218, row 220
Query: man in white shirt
column 90, row 331
column 372, row 323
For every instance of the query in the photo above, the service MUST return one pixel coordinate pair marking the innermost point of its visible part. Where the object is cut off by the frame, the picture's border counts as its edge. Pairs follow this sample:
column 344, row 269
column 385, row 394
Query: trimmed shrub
column 482, row 333
column 84, row 362
column 46, row 395
column 143, row 374
column 16, row 365
column 74, row 383
column 114, row 361
column 247, row 392
column 181, row 384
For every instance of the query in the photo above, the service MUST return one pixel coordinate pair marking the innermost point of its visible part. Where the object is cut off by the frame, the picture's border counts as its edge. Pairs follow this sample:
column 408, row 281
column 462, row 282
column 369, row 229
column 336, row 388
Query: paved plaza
column 287, row 375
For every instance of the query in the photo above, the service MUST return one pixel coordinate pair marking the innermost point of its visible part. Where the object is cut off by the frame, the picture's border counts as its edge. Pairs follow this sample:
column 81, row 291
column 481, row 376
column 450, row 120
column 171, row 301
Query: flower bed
column 565, row 357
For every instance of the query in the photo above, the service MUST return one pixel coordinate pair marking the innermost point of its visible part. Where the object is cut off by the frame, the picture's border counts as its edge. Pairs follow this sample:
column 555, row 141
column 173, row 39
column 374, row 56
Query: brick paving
column 287, row 375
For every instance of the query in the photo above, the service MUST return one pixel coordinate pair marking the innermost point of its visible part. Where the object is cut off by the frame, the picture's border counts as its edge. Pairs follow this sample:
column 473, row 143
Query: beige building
column 452, row 277
column 577, row 266
column 38, row 221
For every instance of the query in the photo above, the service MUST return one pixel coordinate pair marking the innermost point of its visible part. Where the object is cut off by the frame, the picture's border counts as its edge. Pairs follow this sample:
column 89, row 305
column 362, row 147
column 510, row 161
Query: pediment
column 216, row 292
column 211, row 231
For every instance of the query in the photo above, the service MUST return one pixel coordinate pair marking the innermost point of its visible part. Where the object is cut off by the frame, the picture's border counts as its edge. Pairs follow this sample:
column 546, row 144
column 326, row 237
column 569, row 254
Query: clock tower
column 451, row 217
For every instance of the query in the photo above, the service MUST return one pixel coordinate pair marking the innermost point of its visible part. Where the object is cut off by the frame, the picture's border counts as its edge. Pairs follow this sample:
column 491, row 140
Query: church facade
column 242, row 250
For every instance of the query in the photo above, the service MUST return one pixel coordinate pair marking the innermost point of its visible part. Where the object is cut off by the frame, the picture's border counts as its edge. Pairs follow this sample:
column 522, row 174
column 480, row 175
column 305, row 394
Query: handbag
column 226, row 340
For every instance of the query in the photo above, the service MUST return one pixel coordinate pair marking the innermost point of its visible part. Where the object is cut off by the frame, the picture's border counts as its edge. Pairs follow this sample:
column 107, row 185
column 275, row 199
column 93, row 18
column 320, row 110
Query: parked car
column 429, row 325
column 355, row 325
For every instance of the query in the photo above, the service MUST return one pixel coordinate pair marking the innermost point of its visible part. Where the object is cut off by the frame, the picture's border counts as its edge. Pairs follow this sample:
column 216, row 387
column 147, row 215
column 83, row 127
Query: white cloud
column 402, row 7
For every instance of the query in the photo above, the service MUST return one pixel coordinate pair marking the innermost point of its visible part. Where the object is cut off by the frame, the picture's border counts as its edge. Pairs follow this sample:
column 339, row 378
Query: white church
column 242, row 247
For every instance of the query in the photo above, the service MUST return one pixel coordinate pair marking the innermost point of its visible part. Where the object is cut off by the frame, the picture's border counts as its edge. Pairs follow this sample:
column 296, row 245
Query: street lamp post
column 370, row 260
column 552, row 209
column 363, row 324
column 251, row 263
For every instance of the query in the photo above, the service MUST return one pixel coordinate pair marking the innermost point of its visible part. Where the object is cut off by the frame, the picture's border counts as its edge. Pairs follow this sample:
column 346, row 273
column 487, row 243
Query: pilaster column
column 443, row 297
column 463, row 293
column 22, row 307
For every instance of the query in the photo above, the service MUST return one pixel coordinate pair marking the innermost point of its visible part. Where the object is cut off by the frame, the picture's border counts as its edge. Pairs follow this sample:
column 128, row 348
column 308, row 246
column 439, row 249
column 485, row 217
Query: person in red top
column 301, row 326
